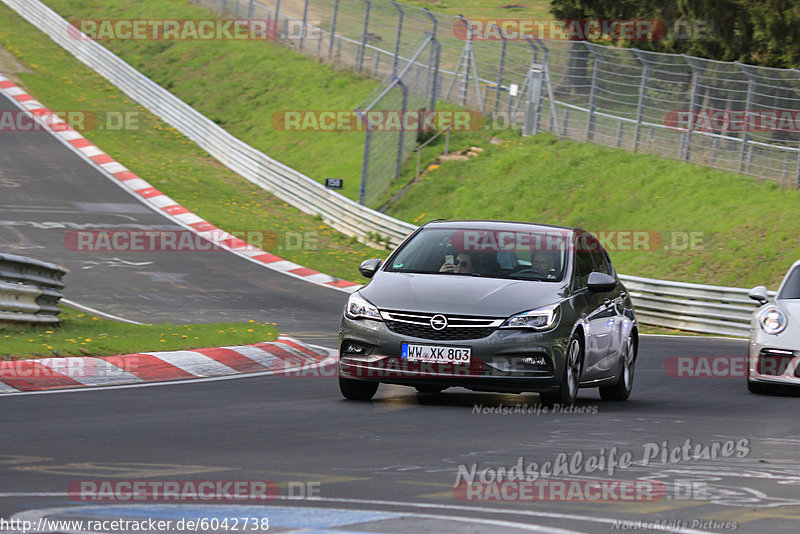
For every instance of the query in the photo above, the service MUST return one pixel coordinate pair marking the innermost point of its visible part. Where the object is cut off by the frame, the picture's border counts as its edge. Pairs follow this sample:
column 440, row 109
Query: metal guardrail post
column 333, row 28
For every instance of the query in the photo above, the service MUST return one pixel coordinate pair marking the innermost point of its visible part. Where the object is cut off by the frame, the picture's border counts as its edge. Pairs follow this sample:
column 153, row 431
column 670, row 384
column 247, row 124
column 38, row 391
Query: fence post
column 401, row 137
column 399, row 36
column 642, row 94
column 592, row 93
column 250, row 9
column 744, row 149
column 467, row 59
column 363, row 48
column 333, row 28
column 433, row 62
column 685, row 151
column 797, row 177
column 305, row 20
column 365, row 162
column 548, row 84
column 499, row 84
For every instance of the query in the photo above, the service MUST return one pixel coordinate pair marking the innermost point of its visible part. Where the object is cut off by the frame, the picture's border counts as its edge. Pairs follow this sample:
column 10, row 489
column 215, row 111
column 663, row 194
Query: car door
column 613, row 307
column 593, row 309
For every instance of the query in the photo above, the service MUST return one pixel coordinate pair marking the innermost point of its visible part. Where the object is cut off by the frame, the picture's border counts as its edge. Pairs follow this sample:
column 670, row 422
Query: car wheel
column 359, row 390
column 622, row 389
column 570, row 379
column 429, row 389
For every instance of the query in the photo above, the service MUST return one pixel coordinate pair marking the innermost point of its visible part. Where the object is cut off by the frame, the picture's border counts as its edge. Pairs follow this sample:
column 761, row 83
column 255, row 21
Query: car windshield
column 791, row 289
column 512, row 254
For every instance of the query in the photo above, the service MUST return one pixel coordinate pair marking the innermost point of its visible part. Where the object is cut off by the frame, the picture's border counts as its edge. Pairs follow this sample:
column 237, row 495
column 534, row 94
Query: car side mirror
column 759, row 294
column 368, row 268
column 601, row 282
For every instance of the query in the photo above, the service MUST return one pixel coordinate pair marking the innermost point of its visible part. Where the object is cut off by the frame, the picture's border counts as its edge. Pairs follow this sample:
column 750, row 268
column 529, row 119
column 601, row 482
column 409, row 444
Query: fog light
column 355, row 349
column 536, row 360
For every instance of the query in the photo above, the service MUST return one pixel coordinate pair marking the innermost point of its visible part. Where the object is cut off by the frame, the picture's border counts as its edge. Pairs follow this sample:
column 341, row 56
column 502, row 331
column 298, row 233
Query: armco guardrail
column 692, row 307
column 284, row 182
column 29, row 290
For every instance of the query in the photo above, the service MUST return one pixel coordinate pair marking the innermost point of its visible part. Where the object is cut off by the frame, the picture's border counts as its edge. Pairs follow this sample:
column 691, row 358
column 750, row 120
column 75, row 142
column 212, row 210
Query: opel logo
column 438, row 322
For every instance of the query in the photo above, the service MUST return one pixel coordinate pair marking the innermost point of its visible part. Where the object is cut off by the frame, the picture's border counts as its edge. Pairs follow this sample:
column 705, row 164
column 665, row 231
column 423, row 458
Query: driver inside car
column 546, row 262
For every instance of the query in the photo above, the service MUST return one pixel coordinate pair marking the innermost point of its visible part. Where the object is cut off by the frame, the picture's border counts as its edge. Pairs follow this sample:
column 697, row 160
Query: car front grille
column 458, row 327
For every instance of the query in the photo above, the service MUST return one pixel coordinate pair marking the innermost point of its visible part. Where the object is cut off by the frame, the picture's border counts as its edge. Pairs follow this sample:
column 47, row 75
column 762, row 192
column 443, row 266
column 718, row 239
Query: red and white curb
column 286, row 356
column 157, row 200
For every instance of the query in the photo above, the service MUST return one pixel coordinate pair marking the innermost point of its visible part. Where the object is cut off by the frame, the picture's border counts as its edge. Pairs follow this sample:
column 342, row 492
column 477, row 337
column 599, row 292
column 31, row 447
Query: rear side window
column 602, row 263
column 583, row 268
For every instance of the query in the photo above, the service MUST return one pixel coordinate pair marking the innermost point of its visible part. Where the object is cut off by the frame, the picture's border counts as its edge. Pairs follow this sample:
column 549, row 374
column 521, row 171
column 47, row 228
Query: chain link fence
column 726, row 115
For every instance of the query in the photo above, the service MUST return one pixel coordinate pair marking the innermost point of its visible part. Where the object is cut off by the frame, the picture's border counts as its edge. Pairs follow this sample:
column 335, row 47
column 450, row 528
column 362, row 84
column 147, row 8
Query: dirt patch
column 10, row 65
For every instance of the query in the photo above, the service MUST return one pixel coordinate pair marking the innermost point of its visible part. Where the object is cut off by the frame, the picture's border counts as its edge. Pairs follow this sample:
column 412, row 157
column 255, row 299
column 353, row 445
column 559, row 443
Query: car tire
column 570, row 378
column 756, row 387
column 357, row 390
column 622, row 389
column 429, row 389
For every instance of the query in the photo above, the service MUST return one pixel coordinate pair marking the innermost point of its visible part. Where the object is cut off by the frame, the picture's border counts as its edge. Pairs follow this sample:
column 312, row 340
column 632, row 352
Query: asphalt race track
column 721, row 458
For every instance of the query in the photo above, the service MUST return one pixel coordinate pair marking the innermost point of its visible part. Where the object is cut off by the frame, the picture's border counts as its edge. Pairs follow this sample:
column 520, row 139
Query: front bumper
column 501, row 361
column 773, row 362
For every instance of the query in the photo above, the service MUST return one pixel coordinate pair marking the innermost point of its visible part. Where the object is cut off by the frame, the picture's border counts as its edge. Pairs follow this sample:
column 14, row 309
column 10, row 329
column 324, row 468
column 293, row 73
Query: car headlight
column 359, row 308
column 538, row 319
column 773, row 321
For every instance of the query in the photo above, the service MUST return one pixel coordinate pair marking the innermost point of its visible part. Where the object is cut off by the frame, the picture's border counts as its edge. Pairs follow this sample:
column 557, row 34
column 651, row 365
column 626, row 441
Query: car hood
column 458, row 294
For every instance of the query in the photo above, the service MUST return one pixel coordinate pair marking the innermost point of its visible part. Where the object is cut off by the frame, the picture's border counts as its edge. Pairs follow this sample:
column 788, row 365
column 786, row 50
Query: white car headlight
column 773, row 321
column 538, row 319
column 359, row 308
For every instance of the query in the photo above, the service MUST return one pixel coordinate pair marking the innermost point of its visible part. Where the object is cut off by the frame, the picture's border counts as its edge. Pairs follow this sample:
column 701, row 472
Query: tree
column 758, row 32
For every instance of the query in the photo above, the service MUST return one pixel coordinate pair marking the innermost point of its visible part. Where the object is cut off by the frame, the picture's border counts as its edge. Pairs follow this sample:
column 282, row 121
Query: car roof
column 489, row 224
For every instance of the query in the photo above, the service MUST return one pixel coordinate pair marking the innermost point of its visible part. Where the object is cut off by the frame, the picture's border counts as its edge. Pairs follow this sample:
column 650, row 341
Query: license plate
column 435, row 353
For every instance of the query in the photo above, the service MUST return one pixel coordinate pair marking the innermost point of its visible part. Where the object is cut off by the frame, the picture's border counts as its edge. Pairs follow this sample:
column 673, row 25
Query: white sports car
column 774, row 354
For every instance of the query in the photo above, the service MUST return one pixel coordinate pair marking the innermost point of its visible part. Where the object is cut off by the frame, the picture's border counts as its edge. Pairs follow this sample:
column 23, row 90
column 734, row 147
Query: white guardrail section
column 29, row 290
column 692, row 307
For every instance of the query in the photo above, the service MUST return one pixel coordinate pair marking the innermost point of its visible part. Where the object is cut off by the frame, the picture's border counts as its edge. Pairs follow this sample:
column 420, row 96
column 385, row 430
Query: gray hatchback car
column 491, row 306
